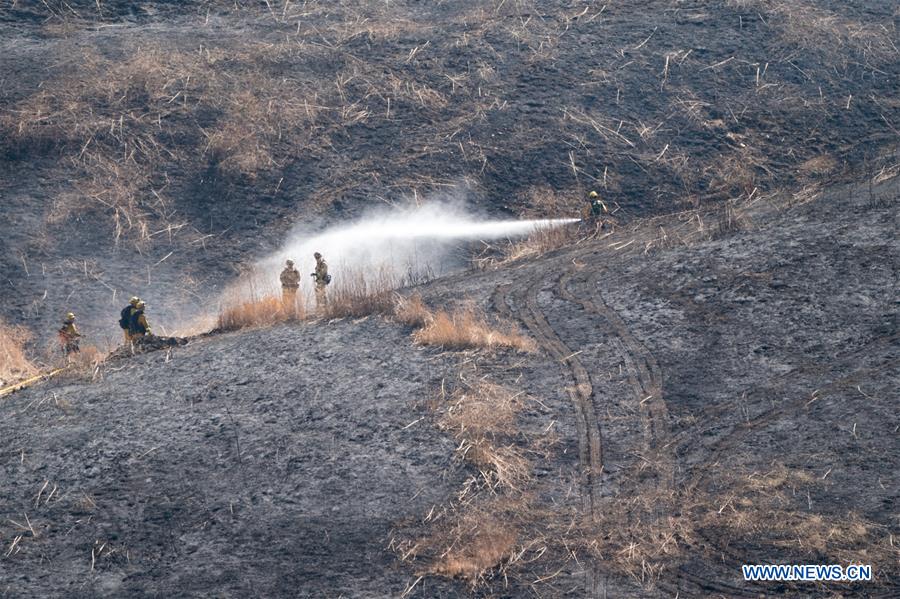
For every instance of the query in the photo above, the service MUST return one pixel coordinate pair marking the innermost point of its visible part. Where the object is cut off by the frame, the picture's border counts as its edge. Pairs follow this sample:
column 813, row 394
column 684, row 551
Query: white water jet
column 405, row 243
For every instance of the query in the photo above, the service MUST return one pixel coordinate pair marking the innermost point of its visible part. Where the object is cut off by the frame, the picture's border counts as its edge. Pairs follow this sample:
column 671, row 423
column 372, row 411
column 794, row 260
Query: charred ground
column 710, row 388
column 700, row 398
column 158, row 148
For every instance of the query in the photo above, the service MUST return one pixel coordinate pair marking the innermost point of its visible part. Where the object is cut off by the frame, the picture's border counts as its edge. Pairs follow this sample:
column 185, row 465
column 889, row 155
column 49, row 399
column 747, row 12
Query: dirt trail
column 642, row 371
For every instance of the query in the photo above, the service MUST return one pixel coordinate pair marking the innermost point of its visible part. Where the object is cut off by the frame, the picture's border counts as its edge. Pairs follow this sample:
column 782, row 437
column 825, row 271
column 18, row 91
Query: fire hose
column 30, row 381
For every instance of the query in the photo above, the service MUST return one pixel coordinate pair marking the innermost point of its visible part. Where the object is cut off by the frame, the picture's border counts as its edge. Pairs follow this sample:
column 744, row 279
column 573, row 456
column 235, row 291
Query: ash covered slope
column 755, row 371
column 149, row 148
column 267, row 463
column 740, row 391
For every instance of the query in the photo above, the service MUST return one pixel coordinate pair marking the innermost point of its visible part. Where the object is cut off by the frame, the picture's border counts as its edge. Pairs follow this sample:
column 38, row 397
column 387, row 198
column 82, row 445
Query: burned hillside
column 161, row 147
column 633, row 395
column 641, row 414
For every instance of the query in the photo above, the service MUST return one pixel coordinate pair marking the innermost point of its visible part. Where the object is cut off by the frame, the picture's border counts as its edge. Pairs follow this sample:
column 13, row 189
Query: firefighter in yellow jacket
column 322, row 278
column 138, row 327
column 290, row 282
column 125, row 317
column 598, row 206
column 69, row 335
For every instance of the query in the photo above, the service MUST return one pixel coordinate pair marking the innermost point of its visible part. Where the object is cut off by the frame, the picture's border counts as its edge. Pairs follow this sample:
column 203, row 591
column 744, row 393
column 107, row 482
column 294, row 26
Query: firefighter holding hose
column 322, row 278
column 69, row 335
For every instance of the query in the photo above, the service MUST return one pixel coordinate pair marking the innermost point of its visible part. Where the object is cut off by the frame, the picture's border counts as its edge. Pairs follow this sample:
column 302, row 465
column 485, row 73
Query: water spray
column 419, row 239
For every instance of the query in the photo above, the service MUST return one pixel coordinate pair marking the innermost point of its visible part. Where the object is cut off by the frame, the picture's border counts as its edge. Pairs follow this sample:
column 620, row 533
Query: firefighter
column 125, row 317
column 598, row 206
column 138, row 326
column 322, row 278
column 290, row 282
column 68, row 335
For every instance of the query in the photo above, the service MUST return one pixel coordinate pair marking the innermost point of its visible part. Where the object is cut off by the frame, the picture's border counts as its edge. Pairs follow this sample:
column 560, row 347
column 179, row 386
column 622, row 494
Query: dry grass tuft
column 86, row 363
column 483, row 421
column 539, row 242
column 464, row 328
column 14, row 364
column 731, row 219
column 412, row 311
column 820, row 165
column 546, row 239
column 475, row 541
column 257, row 312
column 650, row 532
column 485, row 410
column 817, row 29
column 476, row 547
column 355, row 294
column 254, row 301
column 492, row 530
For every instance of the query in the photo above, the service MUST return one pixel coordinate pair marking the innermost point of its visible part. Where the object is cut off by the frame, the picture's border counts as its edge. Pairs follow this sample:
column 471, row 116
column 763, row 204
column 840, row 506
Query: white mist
column 401, row 242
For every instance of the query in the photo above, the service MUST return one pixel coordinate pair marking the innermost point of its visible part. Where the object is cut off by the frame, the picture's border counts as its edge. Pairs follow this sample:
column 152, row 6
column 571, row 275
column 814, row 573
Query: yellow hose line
column 29, row 382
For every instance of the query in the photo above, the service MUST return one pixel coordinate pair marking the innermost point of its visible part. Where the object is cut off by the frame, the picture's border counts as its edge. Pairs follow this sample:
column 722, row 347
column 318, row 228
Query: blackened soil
column 772, row 349
column 269, row 463
column 280, row 462
column 220, row 124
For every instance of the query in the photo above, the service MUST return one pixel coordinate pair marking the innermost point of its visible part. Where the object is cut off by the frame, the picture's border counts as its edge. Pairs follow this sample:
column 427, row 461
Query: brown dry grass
column 477, row 540
column 545, row 239
column 111, row 118
column 476, row 545
column 14, row 363
column 538, row 243
column 818, row 166
column 255, row 302
column 412, row 310
column 85, row 365
column 650, row 532
column 482, row 419
column 773, row 509
column 259, row 311
column 818, row 29
column 465, row 328
column 731, row 219
column 492, row 527
column 355, row 294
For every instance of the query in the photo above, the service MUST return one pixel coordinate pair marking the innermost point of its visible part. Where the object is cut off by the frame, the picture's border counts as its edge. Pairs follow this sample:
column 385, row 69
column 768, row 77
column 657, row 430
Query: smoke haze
column 407, row 243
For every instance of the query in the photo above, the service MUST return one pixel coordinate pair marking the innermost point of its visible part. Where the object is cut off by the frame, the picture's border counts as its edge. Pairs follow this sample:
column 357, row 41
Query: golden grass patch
column 465, row 328
column 412, row 311
column 260, row 311
column 356, row 294
column 482, row 419
column 14, row 363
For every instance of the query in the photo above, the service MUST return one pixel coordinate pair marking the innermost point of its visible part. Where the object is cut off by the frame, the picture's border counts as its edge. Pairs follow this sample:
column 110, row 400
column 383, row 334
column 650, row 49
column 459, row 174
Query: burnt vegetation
column 636, row 408
column 209, row 121
column 662, row 107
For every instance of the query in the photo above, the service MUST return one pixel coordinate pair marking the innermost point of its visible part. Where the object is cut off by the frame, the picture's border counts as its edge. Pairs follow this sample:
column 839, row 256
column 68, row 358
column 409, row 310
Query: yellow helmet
column 70, row 316
column 592, row 195
column 134, row 301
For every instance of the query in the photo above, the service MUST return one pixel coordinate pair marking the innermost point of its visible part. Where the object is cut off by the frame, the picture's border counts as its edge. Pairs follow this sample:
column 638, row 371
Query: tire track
column 590, row 444
column 642, row 370
column 644, row 375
